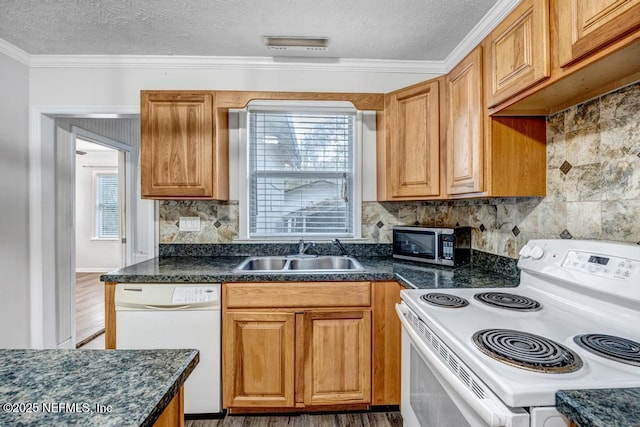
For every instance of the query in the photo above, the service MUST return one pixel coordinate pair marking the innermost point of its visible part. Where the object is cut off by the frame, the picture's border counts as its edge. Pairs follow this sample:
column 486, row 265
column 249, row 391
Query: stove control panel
column 601, row 265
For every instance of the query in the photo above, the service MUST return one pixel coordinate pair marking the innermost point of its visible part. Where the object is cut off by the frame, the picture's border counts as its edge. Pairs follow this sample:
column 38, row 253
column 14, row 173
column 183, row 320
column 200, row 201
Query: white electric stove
column 497, row 356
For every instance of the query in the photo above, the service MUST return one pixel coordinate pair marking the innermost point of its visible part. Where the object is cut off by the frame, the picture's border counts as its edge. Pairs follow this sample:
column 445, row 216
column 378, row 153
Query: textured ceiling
column 359, row 29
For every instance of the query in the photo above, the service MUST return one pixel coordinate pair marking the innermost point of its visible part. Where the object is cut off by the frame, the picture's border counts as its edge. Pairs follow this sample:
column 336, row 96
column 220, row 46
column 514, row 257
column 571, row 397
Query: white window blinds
column 107, row 208
column 300, row 171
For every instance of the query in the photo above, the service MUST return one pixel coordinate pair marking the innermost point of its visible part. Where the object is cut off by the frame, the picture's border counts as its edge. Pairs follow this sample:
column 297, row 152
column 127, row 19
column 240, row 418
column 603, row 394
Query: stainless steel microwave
column 435, row 245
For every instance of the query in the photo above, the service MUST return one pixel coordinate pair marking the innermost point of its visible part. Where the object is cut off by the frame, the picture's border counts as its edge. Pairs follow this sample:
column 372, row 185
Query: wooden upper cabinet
column 337, row 357
column 179, row 155
column 518, row 51
column 587, row 25
column 465, row 141
column 258, row 364
column 412, row 146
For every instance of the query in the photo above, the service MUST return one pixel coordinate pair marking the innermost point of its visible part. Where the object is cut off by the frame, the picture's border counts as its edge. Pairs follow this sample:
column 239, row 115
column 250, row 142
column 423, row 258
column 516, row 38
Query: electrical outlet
column 189, row 223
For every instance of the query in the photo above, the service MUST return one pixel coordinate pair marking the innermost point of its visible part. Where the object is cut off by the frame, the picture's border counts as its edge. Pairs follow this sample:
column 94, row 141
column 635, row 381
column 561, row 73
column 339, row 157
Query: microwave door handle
column 487, row 409
column 437, row 246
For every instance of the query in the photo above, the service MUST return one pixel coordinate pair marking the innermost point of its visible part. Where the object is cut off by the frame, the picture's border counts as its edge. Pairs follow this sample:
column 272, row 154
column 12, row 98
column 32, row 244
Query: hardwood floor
column 89, row 307
column 353, row 419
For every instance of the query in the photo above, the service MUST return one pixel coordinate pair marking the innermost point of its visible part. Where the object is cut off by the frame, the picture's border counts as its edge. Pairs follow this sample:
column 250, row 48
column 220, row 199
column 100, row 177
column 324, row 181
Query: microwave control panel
column 448, row 241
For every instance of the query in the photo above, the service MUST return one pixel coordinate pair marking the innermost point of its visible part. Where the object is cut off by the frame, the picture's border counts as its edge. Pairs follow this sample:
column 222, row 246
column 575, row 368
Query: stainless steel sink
column 263, row 263
column 324, row 263
column 296, row 264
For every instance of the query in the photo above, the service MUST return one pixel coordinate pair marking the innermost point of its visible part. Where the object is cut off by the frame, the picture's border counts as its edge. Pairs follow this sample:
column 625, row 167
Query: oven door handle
column 485, row 408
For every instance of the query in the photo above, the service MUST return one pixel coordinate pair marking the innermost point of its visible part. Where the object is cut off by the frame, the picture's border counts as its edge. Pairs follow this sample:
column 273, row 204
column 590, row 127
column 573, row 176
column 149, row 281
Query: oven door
column 433, row 392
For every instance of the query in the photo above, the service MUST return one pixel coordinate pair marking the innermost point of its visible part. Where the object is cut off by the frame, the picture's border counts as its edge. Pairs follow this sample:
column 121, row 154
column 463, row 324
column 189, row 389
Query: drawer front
column 297, row 294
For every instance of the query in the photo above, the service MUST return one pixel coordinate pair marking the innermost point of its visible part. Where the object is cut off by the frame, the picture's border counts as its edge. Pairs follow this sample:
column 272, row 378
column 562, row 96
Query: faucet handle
column 342, row 249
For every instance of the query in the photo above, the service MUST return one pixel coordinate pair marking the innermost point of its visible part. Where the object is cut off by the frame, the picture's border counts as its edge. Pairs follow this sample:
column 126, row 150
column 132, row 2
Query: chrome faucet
column 302, row 247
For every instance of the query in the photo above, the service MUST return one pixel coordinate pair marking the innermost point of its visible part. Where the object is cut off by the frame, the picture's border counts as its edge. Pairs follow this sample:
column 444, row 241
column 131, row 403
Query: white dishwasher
column 168, row 316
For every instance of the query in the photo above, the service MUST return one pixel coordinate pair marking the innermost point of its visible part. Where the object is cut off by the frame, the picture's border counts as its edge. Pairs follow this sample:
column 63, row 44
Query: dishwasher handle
column 141, row 306
column 168, row 307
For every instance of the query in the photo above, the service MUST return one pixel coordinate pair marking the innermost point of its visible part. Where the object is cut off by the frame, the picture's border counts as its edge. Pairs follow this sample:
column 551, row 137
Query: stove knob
column 525, row 252
column 537, row 252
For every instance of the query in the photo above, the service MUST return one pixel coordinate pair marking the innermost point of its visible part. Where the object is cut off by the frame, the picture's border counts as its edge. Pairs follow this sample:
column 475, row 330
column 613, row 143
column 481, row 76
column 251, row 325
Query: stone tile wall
column 593, row 191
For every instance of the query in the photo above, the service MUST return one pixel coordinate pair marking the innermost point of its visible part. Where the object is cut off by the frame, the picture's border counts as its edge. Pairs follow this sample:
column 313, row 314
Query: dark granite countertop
column 589, row 408
column 90, row 387
column 600, row 408
column 203, row 269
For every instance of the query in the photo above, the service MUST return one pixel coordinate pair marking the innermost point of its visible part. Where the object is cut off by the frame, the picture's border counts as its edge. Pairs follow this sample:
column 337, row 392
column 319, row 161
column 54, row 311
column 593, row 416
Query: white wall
column 91, row 254
column 121, row 86
column 14, row 195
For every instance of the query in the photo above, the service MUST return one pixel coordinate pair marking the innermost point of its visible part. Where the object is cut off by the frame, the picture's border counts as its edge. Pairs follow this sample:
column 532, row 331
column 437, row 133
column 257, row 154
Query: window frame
column 94, row 204
column 328, row 107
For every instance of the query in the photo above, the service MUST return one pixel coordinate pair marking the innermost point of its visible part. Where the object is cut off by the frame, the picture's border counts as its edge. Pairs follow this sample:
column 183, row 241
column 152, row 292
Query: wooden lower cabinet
column 337, row 357
column 287, row 360
column 259, row 359
column 312, row 356
column 173, row 414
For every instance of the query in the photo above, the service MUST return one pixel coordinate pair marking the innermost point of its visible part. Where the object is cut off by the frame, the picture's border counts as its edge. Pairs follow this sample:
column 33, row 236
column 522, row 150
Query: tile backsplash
column 593, row 191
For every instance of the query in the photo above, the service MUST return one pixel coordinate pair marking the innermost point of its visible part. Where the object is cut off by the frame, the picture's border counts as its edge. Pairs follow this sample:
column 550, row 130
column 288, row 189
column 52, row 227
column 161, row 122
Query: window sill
column 104, row 239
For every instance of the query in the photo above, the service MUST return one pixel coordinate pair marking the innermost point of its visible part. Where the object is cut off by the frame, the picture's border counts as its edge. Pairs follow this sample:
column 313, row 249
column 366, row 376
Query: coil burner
column 444, row 300
column 508, row 301
column 612, row 347
column 527, row 351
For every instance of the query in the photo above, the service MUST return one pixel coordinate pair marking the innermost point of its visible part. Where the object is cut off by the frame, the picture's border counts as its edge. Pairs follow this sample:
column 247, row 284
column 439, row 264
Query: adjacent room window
column 301, row 172
column 107, row 209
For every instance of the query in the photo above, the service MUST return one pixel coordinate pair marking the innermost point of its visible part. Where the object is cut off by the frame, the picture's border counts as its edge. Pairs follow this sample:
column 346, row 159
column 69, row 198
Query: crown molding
column 481, row 30
column 433, row 68
column 237, row 62
column 15, row 53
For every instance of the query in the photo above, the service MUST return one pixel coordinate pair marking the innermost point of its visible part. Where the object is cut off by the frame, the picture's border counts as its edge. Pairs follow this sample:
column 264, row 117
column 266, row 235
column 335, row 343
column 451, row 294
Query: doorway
column 52, row 199
column 100, row 237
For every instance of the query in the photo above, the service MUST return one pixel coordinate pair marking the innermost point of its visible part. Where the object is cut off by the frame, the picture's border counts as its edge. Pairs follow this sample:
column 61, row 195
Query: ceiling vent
column 299, row 44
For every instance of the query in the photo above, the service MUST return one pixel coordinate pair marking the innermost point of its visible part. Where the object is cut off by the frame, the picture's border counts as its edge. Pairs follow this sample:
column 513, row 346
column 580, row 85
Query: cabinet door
column 464, row 126
column 337, row 357
column 519, row 51
column 176, row 145
column 586, row 25
column 258, row 352
column 414, row 146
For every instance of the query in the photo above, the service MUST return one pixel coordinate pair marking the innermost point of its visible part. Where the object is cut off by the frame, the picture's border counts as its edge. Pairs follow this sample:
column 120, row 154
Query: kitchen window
column 301, row 171
column 106, row 204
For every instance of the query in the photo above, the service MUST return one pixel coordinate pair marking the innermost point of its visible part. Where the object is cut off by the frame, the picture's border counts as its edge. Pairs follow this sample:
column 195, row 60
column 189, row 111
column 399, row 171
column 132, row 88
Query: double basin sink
column 299, row 264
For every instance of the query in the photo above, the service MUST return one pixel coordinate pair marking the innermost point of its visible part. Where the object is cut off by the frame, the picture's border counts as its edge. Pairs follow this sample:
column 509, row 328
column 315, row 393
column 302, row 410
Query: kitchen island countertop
column 90, row 387
column 600, row 408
